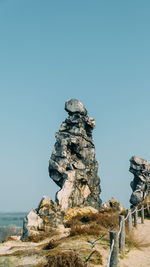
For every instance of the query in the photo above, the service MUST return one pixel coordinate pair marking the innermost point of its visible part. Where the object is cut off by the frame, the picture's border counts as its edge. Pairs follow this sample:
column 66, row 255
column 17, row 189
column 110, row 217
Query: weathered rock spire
column 73, row 165
column 141, row 182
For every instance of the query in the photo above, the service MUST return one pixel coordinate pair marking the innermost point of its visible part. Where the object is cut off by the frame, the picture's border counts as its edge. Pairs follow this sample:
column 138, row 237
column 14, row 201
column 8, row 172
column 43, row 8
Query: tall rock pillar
column 73, row 166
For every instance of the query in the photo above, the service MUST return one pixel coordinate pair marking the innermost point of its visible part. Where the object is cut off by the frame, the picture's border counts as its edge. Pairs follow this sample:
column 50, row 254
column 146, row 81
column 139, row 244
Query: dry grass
column 95, row 258
column 52, row 244
column 134, row 241
column 25, row 252
column 40, row 236
column 87, row 225
column 93, row 224
column 64, row 259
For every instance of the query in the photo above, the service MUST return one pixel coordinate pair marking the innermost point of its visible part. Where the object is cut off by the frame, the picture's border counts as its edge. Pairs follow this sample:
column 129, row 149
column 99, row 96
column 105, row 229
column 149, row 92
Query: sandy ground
column 133, row 258
column 139, row 257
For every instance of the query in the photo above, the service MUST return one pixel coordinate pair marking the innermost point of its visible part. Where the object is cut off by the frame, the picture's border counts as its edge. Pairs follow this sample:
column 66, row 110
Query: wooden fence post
column 115, row 251
column 122, row 234
column 147, row 206
column 129, row 221
column 142, row 214
column 135, row 216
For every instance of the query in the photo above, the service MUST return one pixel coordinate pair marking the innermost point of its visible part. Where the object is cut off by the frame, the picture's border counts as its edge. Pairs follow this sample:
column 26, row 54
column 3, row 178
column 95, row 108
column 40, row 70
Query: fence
column 117, row 239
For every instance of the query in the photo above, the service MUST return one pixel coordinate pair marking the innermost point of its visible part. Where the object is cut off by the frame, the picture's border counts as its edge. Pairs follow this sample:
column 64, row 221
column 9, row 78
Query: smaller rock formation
column 113, row 203
column 141, row 182
column 73, row 166
column 31, row 224
column 47, row 217
column 50, row 213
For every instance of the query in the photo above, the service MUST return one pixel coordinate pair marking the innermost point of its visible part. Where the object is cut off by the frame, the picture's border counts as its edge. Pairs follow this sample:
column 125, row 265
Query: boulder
column 75, row 106
column 32, row 223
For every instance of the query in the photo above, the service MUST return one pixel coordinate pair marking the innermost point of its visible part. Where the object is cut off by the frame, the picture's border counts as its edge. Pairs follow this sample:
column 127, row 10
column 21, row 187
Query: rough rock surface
column 32, row 222
column 50, row 213
column 141, row 182
column 79, row 211
column 113, row 203
column 47, row 217
column 73, row 165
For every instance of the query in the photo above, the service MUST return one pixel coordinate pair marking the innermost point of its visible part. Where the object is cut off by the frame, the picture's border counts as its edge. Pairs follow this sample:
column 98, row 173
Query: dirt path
column 139, row 257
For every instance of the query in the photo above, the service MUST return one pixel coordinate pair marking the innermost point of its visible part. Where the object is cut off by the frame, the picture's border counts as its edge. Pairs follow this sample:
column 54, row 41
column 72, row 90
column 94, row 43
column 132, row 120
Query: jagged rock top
column 141, row 182
column 78, row 123
column 138, row 164
column 75, row 106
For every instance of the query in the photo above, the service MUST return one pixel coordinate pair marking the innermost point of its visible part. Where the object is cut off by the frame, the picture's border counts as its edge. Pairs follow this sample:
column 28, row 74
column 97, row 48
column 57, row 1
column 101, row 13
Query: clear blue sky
column 97, row 51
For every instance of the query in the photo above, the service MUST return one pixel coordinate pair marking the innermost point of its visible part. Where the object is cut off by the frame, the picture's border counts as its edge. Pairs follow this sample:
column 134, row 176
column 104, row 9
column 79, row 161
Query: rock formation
column 113, row 203
column 31, row 224
column 47, row 217
column 73, row 166
column 141, row 182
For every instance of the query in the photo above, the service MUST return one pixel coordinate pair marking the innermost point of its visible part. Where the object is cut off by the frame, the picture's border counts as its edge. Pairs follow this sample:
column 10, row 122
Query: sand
column 139, row 257
column 134, row 257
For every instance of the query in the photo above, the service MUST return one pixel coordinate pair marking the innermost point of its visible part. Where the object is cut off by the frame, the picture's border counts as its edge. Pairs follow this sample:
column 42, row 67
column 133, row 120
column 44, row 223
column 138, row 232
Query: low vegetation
column 64, row 259
column 95, row 258
column 93, row 224
column 134, row 241
column 52, row 244
column 40, row 236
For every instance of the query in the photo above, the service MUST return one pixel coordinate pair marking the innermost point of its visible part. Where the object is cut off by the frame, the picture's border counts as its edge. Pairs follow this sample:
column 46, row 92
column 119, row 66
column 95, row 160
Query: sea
column 12, row 218
column 11, row 223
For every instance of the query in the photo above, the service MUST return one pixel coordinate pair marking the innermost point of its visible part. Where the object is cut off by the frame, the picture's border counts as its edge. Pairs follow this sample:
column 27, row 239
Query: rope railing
column 117, row 239
column 139, row 209
column 111, row 250
column 121, row 232
column 128, row 213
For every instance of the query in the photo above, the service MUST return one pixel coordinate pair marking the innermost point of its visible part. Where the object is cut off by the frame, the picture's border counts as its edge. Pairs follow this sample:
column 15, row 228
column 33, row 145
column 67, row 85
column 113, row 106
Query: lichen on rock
column 73, row 166
column 46, row 217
